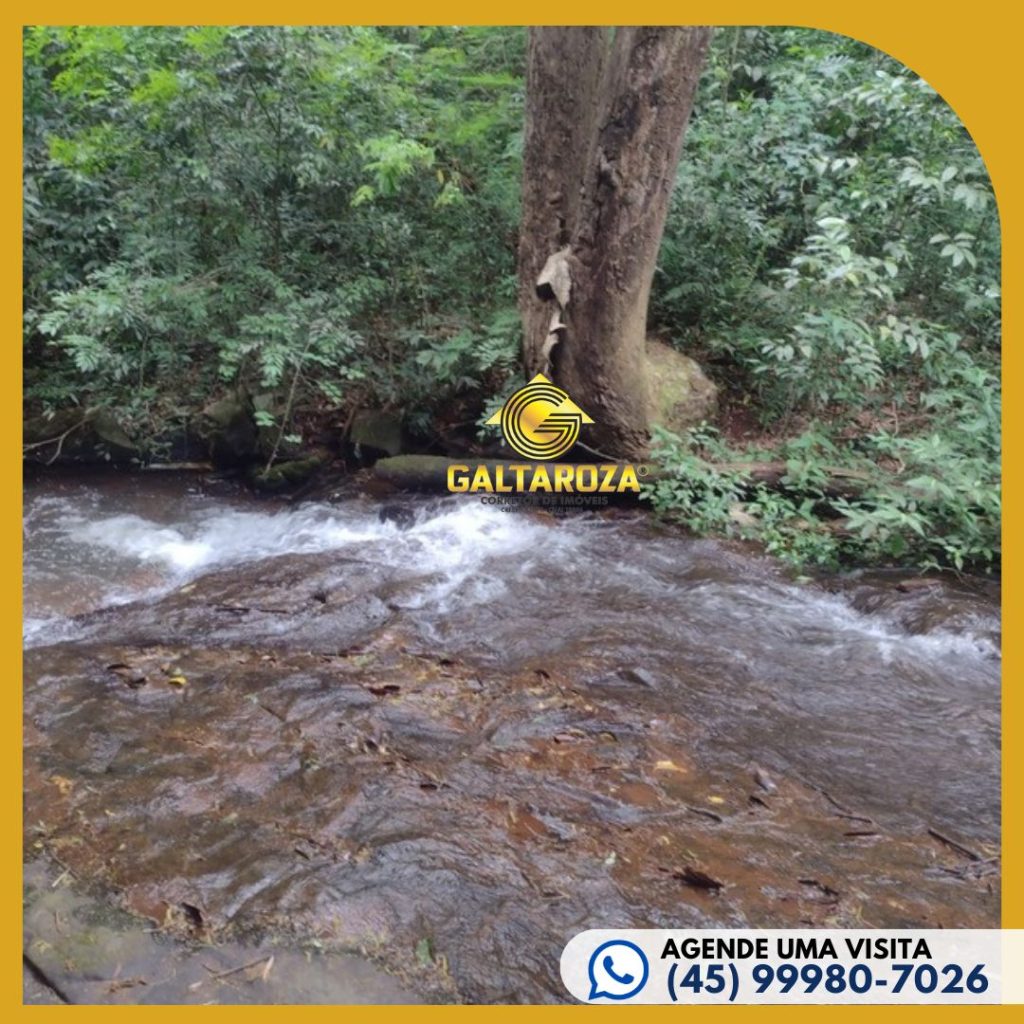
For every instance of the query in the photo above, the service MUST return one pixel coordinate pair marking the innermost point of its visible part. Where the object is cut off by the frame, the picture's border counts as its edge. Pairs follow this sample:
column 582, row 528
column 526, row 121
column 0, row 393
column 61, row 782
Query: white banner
column 616, row 967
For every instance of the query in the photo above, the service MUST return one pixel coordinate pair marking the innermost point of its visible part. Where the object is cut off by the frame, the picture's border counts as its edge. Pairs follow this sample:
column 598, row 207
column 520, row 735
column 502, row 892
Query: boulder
column 110, row 436
column 681, row 395
column 227, row 430
column 379, row 431
column 77, row 435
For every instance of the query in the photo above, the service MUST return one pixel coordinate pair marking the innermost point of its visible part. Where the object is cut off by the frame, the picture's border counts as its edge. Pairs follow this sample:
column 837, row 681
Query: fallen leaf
column 63, row 784
column 764, row 780
column 265, row 973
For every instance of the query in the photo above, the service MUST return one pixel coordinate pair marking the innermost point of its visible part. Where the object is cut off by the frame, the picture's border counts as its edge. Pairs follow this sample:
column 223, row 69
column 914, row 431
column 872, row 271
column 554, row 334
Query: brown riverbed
column 443, row 739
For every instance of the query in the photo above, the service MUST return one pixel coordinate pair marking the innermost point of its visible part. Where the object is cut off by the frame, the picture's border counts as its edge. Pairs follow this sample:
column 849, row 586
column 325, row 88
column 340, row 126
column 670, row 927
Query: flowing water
column 879, row 704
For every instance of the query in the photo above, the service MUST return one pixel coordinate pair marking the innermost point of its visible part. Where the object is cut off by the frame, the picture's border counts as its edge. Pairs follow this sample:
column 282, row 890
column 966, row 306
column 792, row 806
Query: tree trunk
column 606, row 110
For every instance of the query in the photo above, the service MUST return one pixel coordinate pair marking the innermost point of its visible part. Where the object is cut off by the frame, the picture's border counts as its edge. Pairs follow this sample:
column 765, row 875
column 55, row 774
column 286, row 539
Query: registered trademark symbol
column 641, row 470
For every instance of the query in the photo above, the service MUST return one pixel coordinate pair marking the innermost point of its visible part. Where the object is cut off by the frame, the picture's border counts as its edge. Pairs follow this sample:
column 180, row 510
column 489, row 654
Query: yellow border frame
column 970, row 55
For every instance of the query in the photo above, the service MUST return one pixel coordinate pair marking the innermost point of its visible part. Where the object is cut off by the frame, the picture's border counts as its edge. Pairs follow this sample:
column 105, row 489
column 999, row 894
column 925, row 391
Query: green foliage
column 833, row 249
column 330, row 214
column 468, row 357
column 923, row 500
column 206, row 207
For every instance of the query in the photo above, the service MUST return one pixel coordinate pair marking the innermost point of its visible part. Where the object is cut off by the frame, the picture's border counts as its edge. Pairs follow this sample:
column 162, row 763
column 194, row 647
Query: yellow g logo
column 540, row 421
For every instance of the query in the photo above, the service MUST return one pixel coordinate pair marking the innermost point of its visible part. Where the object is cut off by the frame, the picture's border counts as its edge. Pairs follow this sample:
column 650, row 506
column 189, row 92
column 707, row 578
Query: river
column 485, row 730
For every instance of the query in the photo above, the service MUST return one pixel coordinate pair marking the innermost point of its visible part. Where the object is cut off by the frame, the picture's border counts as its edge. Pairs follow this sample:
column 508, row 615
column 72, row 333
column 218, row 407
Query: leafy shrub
column 833, row 248
column 212, row 206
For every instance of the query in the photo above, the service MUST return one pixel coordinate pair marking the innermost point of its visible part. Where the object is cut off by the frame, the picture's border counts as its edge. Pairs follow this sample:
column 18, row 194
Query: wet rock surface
column 379, row 795
column 396, row 759
column 924, row 604
column 79, row 949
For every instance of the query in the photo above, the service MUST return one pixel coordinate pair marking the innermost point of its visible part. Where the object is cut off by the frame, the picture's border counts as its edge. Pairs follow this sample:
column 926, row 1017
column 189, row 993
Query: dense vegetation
column 331, row 214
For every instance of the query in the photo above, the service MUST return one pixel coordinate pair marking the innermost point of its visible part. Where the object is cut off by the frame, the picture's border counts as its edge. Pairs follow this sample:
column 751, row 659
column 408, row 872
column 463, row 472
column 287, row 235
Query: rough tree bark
column 606, row 110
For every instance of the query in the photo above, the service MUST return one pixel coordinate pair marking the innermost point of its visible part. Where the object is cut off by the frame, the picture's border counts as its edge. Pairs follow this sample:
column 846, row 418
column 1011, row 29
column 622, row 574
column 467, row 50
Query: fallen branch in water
column 954, row 845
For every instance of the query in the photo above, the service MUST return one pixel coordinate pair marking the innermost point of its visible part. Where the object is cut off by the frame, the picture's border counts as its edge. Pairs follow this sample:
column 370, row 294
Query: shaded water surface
column 428, row 725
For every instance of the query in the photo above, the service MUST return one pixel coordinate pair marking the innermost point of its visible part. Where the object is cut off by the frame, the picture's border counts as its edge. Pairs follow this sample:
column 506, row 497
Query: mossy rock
column 287, row 474
column 681, row 395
